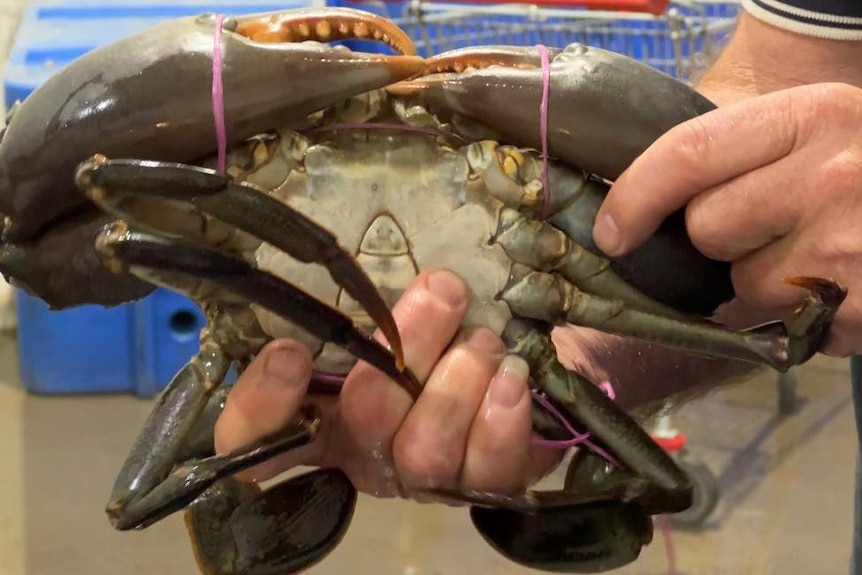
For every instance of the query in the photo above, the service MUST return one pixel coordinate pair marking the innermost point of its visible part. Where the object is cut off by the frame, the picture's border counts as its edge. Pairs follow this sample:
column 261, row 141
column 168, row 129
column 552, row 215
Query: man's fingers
column 430, row 445
column 264, row 400
column 428, row 316
column 499, row 457
column 693, row 157
column 745, row 214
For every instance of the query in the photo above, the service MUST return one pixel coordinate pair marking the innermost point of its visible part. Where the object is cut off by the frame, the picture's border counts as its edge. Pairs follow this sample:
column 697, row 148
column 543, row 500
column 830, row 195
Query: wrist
column 762, row 58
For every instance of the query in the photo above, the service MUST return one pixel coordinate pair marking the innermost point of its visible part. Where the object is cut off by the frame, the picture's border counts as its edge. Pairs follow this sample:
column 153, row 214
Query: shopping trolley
column 677, row 37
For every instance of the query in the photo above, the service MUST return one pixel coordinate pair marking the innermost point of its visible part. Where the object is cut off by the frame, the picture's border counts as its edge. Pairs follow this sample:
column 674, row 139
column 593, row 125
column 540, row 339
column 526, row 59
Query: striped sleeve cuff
column 830, row 19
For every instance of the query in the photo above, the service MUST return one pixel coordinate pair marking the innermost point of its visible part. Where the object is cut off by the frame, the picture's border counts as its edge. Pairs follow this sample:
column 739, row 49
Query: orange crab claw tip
column 324, row 25
column 410, row 87
column 404, row 66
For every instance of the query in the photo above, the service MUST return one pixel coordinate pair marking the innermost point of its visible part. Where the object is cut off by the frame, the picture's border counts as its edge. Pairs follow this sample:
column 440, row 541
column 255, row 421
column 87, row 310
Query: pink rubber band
column 577, row 438
column 666, row 529
column 608, row 389
column 218, row 95
column 543, row 127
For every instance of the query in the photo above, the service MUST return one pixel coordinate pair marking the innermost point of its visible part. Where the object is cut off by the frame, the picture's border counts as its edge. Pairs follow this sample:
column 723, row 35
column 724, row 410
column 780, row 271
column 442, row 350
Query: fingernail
column 606, row 234
column 448, row 287
column 485, row 340
column 509, row 383
column 285, row 366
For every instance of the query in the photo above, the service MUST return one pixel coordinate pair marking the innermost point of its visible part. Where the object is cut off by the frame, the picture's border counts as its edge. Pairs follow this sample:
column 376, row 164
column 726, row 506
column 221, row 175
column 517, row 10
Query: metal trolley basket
column 678, row 37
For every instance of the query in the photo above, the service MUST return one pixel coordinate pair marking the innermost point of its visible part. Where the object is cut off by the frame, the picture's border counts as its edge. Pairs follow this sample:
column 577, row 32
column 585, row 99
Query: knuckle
column 700, row 230
column 841, row 171
column 424, row 461
column 706, row 232
column 835, row 98
column 692, row 146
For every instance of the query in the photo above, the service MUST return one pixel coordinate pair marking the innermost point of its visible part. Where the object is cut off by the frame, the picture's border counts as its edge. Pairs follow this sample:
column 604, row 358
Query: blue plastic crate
column 133, row 348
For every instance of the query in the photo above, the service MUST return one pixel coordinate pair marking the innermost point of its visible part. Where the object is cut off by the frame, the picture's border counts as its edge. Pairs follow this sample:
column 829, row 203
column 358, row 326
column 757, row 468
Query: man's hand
column 772, row 184
column 469, row 429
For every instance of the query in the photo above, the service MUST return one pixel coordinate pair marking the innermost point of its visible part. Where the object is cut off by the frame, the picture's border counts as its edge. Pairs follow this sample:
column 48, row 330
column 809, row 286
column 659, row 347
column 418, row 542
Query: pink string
column 666, row 529
column 577, row 438
column 218, row 95
column 543, row 127
column 386, row 126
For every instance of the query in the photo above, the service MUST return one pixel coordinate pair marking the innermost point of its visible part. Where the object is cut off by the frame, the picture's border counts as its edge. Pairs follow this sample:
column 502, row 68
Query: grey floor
column 785, row 508
column 786, row 486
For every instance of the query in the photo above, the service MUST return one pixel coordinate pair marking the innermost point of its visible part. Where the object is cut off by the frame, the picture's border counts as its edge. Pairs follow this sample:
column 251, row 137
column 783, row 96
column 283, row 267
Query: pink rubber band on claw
column 218, row 95
column 543, row 127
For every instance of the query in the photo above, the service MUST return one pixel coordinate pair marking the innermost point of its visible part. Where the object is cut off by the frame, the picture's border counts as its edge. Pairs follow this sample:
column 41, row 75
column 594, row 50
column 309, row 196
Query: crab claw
column 604, row 109
column 150, row 96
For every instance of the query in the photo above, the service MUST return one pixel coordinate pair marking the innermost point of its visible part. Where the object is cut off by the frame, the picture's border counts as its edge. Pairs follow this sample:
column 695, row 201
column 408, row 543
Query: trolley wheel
column 705, row 496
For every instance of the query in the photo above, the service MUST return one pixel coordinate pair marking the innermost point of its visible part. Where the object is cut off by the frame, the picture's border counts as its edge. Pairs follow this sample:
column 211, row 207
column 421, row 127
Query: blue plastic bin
column 133, row 348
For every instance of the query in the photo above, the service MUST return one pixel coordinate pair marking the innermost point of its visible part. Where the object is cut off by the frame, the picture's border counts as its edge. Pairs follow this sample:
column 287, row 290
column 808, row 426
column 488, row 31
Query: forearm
column 762, row 58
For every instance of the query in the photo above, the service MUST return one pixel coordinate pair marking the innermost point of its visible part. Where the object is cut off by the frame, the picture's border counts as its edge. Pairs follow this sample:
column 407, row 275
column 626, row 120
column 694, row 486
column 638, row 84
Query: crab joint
column 511, row 176
column 548, row 297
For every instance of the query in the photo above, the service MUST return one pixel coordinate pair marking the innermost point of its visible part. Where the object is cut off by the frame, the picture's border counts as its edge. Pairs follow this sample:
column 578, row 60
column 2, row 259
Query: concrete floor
column 786, row 506
column 785, row 509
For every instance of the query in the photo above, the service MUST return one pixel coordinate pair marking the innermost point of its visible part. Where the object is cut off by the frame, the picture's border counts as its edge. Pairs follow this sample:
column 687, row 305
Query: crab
column 118, row 175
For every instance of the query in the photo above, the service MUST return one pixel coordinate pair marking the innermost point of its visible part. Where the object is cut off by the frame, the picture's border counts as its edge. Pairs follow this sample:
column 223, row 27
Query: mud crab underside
column 410, row 177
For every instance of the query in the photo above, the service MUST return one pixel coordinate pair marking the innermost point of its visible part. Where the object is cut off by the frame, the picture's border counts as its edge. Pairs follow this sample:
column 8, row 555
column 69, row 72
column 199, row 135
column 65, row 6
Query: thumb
column 265, row 399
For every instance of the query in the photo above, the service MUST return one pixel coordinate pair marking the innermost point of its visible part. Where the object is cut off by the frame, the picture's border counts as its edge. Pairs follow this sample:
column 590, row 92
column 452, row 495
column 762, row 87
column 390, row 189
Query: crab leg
column 172, row 467
column 116, row 184
column 544, row 247
column 157, row 447
column 561, row 208
column 191, row 478
column 599, row 521
column 194, row 269
column 146, row 488
column 586, row 405
column 550, row 298
column 557, row 279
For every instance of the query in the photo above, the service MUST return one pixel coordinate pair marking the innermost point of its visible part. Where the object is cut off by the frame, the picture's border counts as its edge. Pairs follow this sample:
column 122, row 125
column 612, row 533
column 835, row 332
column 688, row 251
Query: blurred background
column 774, row 457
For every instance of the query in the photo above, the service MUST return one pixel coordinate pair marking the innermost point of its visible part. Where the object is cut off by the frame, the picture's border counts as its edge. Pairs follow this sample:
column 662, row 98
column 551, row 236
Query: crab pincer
column 134, row 190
